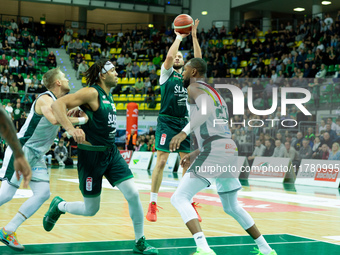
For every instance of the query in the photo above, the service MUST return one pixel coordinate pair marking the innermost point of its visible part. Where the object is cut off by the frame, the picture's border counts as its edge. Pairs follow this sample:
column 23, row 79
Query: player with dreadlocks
column 98, row 155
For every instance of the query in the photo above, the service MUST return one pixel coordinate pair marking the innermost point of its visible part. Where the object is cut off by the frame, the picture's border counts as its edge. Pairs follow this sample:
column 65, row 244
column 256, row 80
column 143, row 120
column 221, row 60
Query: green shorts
column 167, row 128
column 94, row 162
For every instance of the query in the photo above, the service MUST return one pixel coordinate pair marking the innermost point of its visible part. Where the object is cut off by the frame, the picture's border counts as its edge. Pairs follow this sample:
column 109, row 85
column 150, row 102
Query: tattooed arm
column 7, row 131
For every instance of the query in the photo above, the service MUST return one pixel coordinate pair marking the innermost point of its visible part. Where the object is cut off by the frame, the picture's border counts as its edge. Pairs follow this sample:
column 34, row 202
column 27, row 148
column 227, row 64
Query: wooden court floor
column 294, row 219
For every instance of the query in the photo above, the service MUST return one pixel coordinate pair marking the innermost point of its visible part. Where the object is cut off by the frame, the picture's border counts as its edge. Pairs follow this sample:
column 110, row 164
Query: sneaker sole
column 151, row 220
column 9, row 246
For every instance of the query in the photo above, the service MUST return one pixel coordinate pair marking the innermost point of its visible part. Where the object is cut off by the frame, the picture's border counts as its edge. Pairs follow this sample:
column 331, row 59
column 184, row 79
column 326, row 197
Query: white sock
column 62, row 206
column 153, row 197
column 201, row 241
column 263, row 245
column 15, row 222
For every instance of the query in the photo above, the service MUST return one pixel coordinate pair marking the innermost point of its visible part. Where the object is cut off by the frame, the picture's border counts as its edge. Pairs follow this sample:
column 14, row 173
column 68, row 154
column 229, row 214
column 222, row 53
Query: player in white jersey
column 36, row 136
column 214, row 160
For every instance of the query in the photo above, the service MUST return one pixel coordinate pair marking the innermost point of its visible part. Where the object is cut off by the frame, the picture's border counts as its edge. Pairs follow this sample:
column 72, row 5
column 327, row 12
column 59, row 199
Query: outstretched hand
column 194, row 28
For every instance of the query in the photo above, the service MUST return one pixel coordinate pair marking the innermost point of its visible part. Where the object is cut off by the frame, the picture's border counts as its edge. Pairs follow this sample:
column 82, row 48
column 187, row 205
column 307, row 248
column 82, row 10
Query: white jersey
column 38, row 133
column 217, row 124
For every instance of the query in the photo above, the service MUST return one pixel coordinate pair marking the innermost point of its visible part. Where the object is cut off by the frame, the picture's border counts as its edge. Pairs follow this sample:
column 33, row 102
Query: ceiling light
column 299, row 9
column 204, row 12
column 326, row 2
column 150, row 25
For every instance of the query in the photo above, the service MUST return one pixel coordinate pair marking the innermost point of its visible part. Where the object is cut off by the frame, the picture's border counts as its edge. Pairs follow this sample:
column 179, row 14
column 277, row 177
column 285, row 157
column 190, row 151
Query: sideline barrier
column 319, row 173
column 171, row 164
column 272, row 170
column 140, row 160
column 126, row 155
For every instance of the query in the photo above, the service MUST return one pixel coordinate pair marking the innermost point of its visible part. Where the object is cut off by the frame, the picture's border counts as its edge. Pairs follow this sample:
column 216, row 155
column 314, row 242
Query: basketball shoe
column 11, row 240
column 202, row 252
column 142, row 247
column 152, row 212
column 257, row 252
column 53, row 214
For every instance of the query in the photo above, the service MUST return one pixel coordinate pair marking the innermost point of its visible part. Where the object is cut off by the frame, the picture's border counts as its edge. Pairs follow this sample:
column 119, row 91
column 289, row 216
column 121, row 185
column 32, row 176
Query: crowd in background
column 284, row 57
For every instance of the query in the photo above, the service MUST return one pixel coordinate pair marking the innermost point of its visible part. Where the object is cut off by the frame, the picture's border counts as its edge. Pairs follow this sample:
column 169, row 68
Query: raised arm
column 197, row 48
column 170, row 57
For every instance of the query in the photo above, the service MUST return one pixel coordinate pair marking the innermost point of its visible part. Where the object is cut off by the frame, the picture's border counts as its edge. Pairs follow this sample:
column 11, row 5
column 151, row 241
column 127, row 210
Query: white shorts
column 218, row 163
column 37, row 163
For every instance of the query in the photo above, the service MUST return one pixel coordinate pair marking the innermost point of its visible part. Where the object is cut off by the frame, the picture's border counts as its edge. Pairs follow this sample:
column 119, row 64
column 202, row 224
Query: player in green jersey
column 98, row 156
column 173, row 114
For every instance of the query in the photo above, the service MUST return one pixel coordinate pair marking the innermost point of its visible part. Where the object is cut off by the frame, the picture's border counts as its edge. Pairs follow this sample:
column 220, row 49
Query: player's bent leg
column 58, row 206
column 194, row 204
column 130, row 192
column 157, row 177
column 232, row 207
column 187, row 188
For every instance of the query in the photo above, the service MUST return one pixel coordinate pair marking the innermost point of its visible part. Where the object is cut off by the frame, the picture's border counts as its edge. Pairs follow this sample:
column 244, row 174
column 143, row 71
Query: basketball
column 183, row 24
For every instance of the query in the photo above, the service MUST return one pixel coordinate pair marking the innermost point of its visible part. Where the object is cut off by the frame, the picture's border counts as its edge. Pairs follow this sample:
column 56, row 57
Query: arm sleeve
column 165, row 74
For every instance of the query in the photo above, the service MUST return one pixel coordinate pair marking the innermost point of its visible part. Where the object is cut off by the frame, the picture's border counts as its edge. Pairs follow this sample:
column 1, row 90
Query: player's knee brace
column 231, row 207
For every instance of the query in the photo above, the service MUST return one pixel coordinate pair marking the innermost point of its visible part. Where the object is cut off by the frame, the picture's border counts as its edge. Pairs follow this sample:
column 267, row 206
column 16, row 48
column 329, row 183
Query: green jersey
column 173, row 94
column 100, row 129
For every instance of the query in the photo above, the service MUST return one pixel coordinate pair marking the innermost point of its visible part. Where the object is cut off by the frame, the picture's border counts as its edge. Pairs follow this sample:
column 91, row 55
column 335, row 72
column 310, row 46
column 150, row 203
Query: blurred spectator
column 32, row 51
column 13, row 88
column 22, row 65
column 20, row 82
column 138, row 87
column 61, row 154
column 82, row 68
column 17, row 111
column 297, row 143
column 143, row 70
column 157, row 60
column 323, row 153
column 51, row 59
column 305, row 151
column 131, row 140
column 128, row 70
column 31, row 89
column 279, row 150
column 135, row 70
column 269, row 149
column 127, row 60
column 3, row 62
column 322, row 72
column 30, row 65
column 77, row 60
column 14, row 65
column 332, row 134
column 78, row 46
column 71, row 48
column 335, row 152
column 67, row 38
column 290, row 152
column 9, row 109
column 258, row 151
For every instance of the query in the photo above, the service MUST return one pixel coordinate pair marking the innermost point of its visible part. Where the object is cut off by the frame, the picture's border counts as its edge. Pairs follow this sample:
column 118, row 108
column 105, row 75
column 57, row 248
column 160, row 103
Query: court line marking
column 179, row 247
column 157, row 239
column 315, row 239
column 324, row 214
